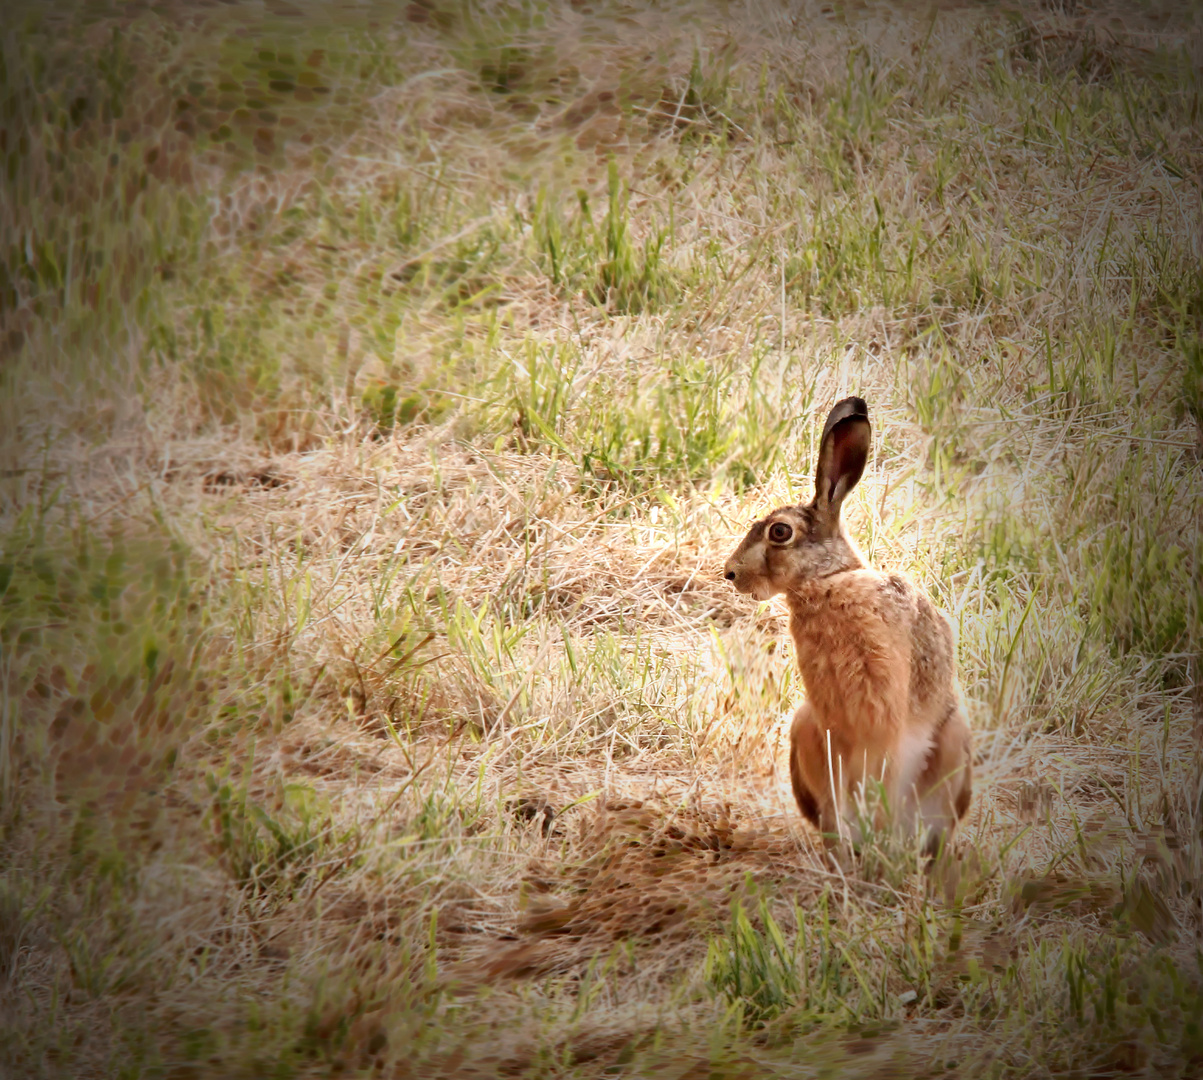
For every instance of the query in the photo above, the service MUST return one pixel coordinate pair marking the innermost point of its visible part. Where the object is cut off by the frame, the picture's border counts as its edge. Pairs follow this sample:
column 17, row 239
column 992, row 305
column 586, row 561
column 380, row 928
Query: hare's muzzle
column 746, row 570
column 741, row 581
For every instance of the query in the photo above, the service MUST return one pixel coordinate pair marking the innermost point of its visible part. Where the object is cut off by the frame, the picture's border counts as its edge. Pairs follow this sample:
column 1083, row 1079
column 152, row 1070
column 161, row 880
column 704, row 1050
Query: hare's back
column 932, row 651
column 918, row 629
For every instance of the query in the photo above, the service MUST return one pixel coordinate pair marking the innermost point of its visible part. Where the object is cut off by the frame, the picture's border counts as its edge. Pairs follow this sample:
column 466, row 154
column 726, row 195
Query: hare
column 876, row 657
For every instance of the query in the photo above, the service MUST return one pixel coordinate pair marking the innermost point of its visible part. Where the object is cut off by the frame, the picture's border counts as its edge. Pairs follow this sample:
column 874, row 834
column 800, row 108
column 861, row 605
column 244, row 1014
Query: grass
column 381, row 392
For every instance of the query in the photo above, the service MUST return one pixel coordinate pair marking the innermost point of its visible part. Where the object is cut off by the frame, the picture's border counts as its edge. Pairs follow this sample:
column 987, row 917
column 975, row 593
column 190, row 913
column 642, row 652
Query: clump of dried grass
column 434, row 744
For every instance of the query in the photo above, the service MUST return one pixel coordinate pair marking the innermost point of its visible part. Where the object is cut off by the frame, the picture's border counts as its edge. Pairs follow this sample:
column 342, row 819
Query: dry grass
column 381, row 392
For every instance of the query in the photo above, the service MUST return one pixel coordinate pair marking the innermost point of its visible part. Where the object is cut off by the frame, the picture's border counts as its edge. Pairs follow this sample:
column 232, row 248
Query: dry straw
column 382, row 392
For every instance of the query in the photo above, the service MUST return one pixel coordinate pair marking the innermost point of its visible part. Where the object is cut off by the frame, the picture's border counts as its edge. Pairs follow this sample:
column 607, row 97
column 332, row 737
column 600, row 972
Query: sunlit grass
column 380, row 394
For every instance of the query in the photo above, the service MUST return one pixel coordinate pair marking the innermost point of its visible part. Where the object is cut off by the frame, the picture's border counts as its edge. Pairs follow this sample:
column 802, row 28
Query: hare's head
column 799, row 543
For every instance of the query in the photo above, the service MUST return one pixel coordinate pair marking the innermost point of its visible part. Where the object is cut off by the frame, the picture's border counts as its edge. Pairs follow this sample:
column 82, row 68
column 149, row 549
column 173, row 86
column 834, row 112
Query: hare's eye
column 780, row 532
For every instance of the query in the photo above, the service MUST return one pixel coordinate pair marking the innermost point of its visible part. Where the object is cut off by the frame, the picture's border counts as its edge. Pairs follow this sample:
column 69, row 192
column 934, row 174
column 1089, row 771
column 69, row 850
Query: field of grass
column 382, row 387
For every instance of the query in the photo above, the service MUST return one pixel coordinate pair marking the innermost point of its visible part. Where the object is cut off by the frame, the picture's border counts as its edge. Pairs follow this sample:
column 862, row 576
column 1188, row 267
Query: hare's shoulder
column 895, row 598
column 891, row 595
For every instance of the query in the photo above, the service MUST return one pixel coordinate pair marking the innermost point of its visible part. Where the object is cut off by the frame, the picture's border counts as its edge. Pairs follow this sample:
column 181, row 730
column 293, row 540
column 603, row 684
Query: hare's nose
column 730, row 575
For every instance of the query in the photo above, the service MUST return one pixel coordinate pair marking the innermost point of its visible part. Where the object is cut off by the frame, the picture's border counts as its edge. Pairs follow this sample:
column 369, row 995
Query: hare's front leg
column 808, row 773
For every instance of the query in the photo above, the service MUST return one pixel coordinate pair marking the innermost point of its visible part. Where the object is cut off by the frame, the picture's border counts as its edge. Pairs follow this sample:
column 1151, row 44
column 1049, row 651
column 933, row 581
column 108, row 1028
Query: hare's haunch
column 876, row 657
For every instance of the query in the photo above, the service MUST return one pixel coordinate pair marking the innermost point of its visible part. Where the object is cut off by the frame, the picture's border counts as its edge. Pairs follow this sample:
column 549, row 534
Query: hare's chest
column 848, row 653
column 834, row 642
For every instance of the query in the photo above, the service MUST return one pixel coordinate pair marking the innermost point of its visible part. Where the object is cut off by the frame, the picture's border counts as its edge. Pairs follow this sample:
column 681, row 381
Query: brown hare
column 876, row 658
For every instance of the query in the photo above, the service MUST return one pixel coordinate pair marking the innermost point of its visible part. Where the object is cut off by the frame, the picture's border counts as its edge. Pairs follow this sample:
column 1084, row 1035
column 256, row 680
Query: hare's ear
column 842, row 454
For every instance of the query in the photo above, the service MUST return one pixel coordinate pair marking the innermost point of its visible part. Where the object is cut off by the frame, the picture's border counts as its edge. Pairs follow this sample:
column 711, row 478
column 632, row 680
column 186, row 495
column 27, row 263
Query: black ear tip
column 850, row 408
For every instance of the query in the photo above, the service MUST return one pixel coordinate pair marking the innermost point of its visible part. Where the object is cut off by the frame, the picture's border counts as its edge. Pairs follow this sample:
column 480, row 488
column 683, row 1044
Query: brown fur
column 876, row 657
